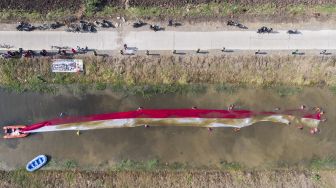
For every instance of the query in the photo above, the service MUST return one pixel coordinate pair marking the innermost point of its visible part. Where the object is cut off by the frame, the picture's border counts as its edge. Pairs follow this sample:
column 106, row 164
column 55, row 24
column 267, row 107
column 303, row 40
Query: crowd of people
column 63, row 51
column 303, row 108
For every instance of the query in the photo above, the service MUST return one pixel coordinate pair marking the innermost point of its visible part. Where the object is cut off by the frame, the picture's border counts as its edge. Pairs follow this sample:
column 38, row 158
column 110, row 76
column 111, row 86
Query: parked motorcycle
column 156, row 28
column 138, row 24
column 264, row 29
column 24, row 26
column 293, row 31
column 43, row 52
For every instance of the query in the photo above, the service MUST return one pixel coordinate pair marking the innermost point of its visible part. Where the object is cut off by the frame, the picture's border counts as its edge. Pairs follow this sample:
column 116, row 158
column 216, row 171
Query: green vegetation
column 326, row 8
column 228, row 88
column 296, row 9
column 95, row 8
column 62, row 164
column 70, row 164
column 215, row 10
column 263, row 9
column 327, row 163
column 18, row 15
column 109, row 11
column 333, row 89
column 59, row 14
column 287, row 91
column 149, row 90
column 230, row 166
column 130, row 165
column 91, row 7
column 150, row 165
column 100, row 86
column 316, row 177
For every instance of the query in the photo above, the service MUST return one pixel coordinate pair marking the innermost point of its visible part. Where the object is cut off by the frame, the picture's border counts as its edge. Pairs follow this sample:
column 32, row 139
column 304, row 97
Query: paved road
column 169, row 40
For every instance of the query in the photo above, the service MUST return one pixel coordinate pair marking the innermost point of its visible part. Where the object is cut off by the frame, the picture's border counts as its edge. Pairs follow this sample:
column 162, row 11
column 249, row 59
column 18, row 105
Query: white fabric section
column 196, row 122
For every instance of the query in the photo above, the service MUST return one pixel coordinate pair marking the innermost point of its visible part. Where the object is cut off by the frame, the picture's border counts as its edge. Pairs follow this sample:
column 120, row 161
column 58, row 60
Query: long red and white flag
column 177, row 117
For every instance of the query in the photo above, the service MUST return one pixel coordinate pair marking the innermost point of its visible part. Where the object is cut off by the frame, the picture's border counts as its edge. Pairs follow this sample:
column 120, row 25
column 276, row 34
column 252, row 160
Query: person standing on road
column 73, row 51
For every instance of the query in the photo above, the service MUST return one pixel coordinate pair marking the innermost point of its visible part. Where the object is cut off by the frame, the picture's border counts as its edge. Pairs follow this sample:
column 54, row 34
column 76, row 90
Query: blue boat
column 36, row 163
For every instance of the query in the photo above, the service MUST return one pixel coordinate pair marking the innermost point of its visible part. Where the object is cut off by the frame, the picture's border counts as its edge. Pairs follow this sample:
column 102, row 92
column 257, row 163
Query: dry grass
column 278, row 178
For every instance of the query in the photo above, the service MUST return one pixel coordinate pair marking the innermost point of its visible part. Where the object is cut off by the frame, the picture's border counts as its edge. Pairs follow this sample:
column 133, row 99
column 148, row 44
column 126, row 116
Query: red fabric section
column 162, row 113
column 36, row 126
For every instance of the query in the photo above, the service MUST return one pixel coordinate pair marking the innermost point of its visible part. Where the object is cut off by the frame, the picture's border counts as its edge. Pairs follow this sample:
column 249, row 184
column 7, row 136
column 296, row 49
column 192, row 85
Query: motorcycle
column 293, row 31
column 44, row 52
column 23, row 26
column 82, row 50
column 139, row 24
column 28, row 54
column 237, row 24
column 172, row 23
column 265, row 30
column 156, row 28
column 103, row 24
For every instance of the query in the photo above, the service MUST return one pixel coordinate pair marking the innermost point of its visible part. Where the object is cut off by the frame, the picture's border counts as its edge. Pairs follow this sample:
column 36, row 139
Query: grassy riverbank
column 167, row 178
column 173, row 74
column 128, row 173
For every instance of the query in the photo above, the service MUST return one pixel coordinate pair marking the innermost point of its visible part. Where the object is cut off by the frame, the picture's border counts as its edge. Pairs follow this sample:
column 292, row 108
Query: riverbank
column 199, row 178
column 169, row 73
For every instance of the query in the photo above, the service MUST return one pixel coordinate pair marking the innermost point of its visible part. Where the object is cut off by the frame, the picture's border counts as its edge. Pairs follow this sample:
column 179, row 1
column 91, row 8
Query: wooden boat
column 36, row 163
column 14, row 131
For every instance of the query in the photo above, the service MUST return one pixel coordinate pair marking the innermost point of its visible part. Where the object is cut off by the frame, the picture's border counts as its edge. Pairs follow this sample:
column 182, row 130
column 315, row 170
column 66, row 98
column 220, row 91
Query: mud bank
column 179, row 70
column 278, row 178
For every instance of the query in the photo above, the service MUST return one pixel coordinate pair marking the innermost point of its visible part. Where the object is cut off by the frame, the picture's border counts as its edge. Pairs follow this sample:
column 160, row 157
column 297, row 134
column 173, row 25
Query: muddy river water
column 254, row 146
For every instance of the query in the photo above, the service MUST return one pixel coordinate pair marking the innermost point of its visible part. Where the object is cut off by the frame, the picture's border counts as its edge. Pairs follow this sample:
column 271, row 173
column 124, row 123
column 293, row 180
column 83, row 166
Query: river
column 256, row 146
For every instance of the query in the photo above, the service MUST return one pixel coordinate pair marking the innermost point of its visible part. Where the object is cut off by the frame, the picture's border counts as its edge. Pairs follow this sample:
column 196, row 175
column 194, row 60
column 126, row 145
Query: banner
column 67, row 65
